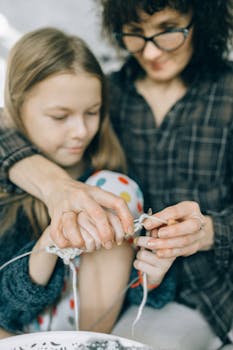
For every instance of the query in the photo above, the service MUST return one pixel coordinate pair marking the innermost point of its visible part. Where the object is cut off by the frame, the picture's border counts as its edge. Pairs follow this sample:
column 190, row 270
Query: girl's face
column 159, row 65
column 61, row 116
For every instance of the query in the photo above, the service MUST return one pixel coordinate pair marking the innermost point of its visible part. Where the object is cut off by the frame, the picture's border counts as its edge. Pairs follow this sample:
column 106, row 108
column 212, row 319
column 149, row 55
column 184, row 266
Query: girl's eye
column 58, row 117
column 93, row 113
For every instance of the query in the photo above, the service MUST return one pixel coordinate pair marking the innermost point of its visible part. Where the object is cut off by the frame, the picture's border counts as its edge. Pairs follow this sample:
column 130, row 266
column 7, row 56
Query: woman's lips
column 156, row 65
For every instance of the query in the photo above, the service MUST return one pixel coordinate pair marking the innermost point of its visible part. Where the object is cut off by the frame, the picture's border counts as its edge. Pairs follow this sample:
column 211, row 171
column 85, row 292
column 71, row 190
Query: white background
column 78, row 17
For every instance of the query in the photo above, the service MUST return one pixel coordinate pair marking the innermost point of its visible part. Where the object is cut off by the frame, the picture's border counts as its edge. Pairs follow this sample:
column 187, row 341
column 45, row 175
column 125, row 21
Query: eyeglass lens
column 166, row 41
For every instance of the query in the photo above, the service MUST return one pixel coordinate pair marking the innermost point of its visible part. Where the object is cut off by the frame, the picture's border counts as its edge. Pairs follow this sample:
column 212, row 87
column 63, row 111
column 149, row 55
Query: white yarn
column 138, row 224
column 67, row 255
column 141, row 306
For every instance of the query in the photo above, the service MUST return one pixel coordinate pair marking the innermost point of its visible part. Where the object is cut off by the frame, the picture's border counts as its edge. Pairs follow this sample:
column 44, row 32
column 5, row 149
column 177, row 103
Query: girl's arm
column 41, row 263
column 103, row 277
column 5, row 334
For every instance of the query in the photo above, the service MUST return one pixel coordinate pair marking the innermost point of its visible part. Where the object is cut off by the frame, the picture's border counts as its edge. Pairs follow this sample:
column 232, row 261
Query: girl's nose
column 151, row 51
column 78, row 128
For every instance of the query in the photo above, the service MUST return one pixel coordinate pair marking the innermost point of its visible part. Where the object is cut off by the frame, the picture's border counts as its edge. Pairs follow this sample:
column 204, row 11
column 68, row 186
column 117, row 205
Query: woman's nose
column 151, row 51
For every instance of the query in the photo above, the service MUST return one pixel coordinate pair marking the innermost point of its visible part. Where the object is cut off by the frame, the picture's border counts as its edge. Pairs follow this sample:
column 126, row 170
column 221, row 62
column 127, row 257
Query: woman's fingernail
column 108, row 245
column 119, row 242
column 135, row 241
column 130, row 230
column 171, row 222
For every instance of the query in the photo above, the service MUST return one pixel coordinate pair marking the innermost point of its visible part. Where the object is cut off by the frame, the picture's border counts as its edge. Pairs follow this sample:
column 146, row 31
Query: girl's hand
column 148, row 262
column 193, row 231
column 75, row 199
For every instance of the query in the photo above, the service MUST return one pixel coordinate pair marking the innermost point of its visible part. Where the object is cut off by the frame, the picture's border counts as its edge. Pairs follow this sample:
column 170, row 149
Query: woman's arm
column 65, row 198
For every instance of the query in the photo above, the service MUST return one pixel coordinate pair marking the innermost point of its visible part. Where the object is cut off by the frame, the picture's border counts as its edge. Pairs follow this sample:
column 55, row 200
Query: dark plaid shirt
column 188, row 157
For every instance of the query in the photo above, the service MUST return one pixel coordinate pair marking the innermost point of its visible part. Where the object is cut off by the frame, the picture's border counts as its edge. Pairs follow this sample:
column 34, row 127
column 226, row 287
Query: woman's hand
column 191, row 233
column 76, row 199
column 90, row 234
column 65, row 198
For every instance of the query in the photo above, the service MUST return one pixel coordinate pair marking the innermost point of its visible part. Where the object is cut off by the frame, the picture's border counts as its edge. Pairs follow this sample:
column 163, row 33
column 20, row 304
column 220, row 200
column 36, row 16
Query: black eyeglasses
column 168, row 40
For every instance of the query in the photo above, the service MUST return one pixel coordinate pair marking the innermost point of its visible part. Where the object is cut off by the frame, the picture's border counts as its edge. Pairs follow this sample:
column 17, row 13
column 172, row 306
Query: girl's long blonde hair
column 36, row 56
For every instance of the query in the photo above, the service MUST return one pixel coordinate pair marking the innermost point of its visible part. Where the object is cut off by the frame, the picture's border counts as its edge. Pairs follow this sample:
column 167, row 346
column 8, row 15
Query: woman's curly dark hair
column 212, row 19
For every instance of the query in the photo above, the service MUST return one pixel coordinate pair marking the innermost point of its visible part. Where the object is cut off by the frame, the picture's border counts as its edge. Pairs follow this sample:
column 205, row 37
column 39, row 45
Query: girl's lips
column 74, row 149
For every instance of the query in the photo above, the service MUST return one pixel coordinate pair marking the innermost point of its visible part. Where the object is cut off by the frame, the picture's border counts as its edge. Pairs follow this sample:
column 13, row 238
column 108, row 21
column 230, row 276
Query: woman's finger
column 71, row 230
column 117, row 227
column 98, row 217
column 56, row 232
column 176, row 252
column 176, row 242
column 88, row 240
column 189, row 226
column 115, row 204
column 178, row 212
column 85, row 223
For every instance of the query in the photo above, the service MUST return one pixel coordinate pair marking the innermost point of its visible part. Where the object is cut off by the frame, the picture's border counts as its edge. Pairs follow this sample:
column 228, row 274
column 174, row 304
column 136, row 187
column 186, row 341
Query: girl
column 55, row 97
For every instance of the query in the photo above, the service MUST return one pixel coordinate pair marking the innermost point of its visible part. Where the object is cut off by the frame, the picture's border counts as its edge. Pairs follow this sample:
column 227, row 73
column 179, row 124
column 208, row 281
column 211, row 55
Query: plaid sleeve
column 223, row 230
column 13, row 148
column 223, row 221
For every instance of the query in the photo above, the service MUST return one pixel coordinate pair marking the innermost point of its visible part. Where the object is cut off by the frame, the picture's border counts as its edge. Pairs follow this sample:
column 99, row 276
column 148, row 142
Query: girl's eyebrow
column 97, row 104
column 62, row 108
column 56, row 108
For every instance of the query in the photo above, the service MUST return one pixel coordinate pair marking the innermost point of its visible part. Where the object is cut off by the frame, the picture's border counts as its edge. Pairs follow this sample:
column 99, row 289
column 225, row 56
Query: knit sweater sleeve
column 20, row 298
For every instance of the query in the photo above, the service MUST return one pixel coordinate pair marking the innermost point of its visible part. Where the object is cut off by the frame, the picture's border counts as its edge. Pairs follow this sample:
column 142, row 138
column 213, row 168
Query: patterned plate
column 69, row 341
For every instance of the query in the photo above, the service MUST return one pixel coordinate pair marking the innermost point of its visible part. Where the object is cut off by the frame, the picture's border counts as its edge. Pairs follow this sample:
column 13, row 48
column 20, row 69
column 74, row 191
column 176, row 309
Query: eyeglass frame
column 147, row 39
